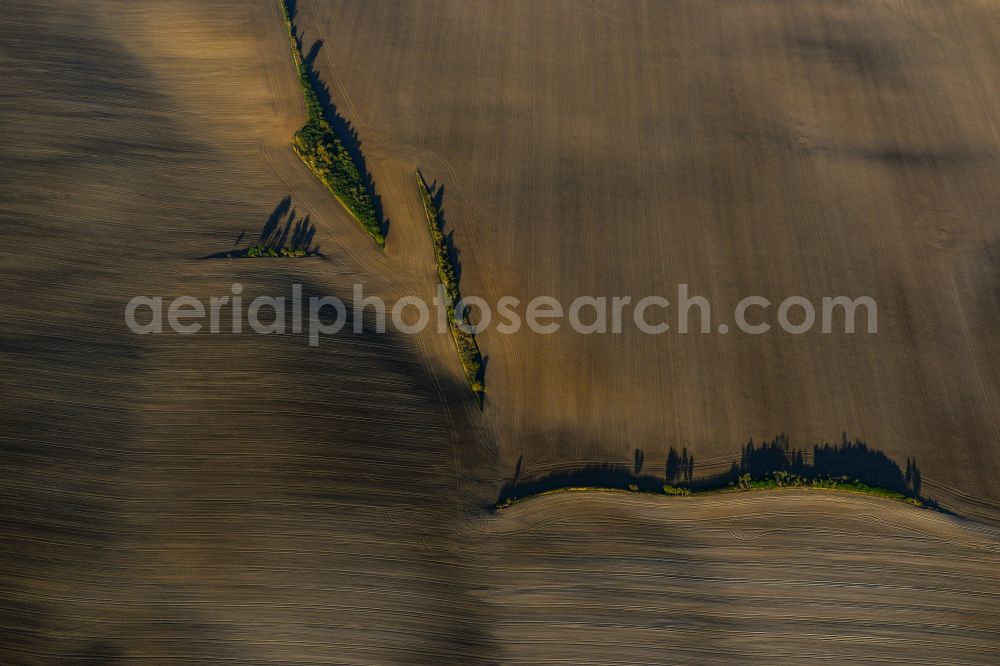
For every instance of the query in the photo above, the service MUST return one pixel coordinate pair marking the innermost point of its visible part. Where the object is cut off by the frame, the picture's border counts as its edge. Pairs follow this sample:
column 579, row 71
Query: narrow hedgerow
column 747, row 482
column 260, row 250
column 782, row 479
column 465, row 342
column 324, row 153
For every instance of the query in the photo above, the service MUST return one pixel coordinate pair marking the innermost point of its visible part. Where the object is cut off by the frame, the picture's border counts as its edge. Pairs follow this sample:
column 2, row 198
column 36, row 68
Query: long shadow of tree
column 849, row 461
column 282, row 229
column 450, row 272
column 342, row 127
column 680, row 467
column 437, row 196
column 853, row 460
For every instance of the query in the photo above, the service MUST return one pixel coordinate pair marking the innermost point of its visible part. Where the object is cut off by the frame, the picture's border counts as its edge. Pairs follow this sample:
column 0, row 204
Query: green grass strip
column 324, row 153
column 465, row 342
column 746, row 483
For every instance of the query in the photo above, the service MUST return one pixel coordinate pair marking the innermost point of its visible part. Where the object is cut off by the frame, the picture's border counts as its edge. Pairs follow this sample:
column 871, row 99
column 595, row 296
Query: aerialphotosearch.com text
column 318, row 316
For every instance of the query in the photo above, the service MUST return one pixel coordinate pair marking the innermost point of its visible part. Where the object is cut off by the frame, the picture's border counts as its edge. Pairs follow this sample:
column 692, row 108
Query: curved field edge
column 465, row 342
column 744, row 485
column 324, row 153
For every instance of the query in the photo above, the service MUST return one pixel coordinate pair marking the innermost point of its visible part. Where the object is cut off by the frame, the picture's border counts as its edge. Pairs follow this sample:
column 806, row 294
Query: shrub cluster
column 261, row 250
column 465, row 342
column 324, row 153
column 782, row 479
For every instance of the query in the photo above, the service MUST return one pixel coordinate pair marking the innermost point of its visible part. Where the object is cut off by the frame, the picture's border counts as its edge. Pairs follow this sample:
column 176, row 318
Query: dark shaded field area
column 178, row 499
column 253, row 499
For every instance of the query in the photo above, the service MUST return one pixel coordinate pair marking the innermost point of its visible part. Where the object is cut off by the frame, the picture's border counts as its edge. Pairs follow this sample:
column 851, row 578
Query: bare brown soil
column 766, row 148
column 251, row 499
column 771, row 577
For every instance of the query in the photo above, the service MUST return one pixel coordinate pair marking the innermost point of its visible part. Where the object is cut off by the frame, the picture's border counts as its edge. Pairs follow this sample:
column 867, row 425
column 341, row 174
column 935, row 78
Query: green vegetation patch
column 465, row 342
column 260, row 250
column 324, row 153
column 745, row 483
column 781, row 479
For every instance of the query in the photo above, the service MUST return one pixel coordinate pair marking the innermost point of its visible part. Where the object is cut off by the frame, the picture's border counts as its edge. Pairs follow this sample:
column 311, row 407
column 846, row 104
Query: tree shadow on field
column 437, row 197
column 848, row 462
column 283, row 229
column 680, row 467
column 517, row 470
column 604, row 475
column 344, row 130
column 436, row 193
column 274, row 219
column 310, row 57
